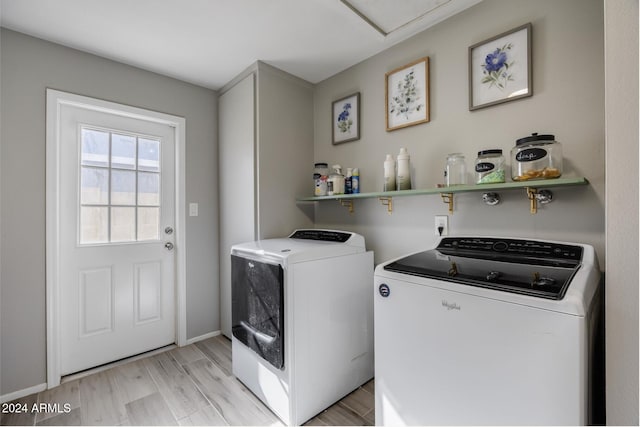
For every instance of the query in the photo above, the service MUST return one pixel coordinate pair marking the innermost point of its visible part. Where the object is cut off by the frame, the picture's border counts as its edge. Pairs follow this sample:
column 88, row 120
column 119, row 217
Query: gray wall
column 568, row 101
column 28, row 66
column 569, row 56
column 285, row 150
column 621, row 59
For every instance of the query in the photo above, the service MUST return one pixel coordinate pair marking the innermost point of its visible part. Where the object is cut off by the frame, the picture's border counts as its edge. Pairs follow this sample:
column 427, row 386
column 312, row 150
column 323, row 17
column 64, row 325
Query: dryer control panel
column 323, row 235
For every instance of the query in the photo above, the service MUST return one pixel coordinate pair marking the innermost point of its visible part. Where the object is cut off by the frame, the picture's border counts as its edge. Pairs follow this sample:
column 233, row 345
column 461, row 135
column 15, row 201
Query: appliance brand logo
column 450, row 306
column 384, row 290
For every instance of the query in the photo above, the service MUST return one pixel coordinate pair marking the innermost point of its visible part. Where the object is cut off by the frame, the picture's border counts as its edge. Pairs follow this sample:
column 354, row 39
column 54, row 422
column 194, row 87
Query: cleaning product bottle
column 389, row 174
column 355, row 181
column 348, row 182
column 403, row 180
column 337, row 179
column 320, row 176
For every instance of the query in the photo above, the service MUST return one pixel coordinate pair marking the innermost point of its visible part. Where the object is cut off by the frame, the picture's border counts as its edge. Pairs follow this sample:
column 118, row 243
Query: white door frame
column 55, row 101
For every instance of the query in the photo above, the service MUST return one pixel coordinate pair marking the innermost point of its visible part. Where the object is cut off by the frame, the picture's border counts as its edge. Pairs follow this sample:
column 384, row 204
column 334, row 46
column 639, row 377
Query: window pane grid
column 119, row 187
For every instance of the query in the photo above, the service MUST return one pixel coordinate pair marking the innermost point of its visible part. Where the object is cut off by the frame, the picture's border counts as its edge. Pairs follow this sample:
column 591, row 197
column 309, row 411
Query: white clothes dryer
column 302, row 319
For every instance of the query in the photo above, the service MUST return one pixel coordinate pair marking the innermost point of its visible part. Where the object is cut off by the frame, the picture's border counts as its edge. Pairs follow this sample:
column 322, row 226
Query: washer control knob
column 544, row 281
column 500, row 246
column 493, row 275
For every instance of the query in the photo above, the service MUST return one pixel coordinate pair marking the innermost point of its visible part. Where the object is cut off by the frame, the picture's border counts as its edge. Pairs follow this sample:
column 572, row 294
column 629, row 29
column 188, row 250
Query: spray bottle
column 355, row 181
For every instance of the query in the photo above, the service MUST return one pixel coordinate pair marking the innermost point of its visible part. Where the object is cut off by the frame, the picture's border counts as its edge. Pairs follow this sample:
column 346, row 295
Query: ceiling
column 209, row 42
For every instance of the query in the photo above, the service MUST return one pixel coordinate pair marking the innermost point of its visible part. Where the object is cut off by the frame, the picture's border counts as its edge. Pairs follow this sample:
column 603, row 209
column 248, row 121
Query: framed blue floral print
column 407, row 95
column 345, row 119
column 500, row 68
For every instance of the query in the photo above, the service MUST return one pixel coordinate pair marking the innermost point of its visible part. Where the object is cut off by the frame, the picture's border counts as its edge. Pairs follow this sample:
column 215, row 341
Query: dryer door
column 257, row 310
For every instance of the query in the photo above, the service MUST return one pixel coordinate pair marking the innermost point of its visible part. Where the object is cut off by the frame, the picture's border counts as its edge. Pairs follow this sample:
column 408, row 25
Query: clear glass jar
column 320, row 177
column 455, row 172
column 536, row 157
column 489, row 166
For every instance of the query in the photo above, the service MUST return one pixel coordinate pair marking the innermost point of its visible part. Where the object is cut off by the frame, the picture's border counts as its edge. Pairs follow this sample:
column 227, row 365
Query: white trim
column 121, row 362
column 181, row 231
column 202, row 337
column 22, row 393
column 55, row 100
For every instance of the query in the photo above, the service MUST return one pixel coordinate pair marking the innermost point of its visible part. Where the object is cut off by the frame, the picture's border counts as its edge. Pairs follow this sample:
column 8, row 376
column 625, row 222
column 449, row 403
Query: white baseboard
column 22, row 393
column 202, row 337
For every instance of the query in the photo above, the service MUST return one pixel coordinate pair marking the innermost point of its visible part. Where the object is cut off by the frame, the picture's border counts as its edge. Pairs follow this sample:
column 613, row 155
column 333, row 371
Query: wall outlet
column 442, row 225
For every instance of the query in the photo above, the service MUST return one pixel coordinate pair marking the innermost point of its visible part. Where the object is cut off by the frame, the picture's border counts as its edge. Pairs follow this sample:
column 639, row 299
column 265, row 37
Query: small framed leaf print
column 345, row 119
column 407, row 95
column 500, row 68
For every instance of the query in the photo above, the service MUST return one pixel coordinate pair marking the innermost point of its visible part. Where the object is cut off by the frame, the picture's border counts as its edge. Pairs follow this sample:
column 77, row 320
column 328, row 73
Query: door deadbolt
column 168, row 230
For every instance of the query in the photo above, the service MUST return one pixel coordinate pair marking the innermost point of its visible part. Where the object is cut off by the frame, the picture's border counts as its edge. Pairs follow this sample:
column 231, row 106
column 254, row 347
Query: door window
column 119, row 187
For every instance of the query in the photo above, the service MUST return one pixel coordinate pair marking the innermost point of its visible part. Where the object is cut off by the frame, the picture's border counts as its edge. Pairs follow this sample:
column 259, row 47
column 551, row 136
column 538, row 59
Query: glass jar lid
column 534, row 138
column 493, row 151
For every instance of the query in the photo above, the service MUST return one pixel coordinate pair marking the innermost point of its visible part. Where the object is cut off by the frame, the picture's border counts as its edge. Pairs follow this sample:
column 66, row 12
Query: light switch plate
column 193, row 209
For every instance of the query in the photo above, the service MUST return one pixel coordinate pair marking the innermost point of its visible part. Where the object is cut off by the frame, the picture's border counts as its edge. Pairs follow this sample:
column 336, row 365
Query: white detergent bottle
column 337, row 179
column 389, row 174
column 403, row 180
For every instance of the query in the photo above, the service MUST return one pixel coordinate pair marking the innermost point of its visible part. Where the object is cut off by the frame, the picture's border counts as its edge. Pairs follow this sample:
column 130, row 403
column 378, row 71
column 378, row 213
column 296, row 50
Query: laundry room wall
column 29, row 66
column 567, row 101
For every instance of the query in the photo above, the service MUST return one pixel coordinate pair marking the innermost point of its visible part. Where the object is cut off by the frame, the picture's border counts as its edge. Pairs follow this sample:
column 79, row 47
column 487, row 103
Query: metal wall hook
column 544, row 196
column 491, row 199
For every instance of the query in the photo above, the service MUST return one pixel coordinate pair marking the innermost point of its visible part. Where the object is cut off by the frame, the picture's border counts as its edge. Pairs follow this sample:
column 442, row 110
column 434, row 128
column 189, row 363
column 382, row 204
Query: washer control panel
column 510, row 248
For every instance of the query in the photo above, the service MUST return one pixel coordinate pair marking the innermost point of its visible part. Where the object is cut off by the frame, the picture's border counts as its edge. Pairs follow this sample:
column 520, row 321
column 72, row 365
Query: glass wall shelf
column 537, row 191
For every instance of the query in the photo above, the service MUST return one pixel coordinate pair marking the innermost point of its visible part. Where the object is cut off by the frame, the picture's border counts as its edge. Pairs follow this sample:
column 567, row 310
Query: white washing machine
column 302, row 319
column 486, row 331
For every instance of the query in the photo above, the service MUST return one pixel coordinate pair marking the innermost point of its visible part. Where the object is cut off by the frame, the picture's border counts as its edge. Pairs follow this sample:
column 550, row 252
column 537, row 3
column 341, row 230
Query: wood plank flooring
column 188, row 386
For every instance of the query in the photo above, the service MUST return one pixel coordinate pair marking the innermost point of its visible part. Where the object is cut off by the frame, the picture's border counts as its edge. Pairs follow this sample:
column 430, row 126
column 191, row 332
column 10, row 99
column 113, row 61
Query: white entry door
column 116, row 201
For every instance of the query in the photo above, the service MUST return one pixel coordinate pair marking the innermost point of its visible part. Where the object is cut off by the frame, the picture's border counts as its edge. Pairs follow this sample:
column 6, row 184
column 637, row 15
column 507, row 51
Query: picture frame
column 407, row 95
column 345, row 119
column 500, row 68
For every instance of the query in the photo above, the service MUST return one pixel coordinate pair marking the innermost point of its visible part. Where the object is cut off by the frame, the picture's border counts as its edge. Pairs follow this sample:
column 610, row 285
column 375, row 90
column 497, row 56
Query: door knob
column 168, row 230
column 168, row 245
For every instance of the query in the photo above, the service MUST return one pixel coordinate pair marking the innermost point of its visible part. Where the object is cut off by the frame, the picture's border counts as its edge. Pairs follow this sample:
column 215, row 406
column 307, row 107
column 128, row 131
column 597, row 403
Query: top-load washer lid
column 539, row 269
column 303, row 245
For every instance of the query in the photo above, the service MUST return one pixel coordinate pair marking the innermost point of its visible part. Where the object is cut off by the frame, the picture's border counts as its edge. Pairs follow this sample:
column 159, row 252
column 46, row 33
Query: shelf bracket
column 535, row 197
column 388, row 202
column 447, row 198
column 347, row 203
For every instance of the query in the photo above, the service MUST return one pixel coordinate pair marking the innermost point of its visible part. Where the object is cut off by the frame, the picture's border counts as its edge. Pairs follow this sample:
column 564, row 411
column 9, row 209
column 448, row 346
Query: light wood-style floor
column 186, row 386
